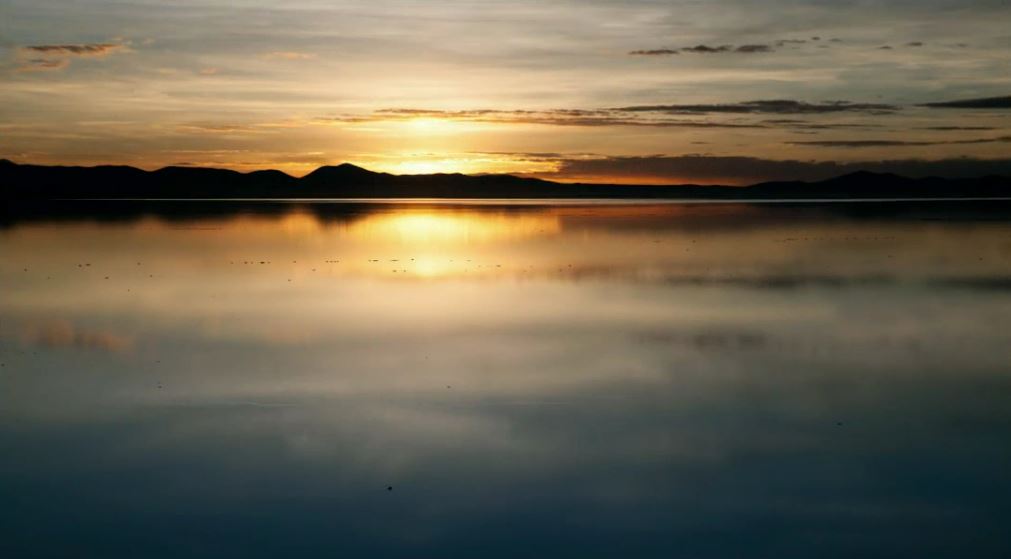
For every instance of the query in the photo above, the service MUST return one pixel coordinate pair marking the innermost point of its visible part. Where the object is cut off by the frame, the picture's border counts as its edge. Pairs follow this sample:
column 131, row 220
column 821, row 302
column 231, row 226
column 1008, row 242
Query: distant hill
column 35, row 182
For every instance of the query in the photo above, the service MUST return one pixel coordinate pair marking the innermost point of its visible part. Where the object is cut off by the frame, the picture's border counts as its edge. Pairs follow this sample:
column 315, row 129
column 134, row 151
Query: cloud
column 57, row 57
column 659, row 116
column 771, row 106
column 553, row 117
column 956, row 128
column 705, row 169
column 43, row 64
column 93, row 49
column 808, row 125
column 751, row 49
column 912, row 44
column 896, row 143
column 215, row 128
column 535, row 155
column 984, row 103
column 705, row 49
column 725, row 49
column 655, row 52
column 744, row 49
column 288, row 55
column 233, row 128
column 862, row 143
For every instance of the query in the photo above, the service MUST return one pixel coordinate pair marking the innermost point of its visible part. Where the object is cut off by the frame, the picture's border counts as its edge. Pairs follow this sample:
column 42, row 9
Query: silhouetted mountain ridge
column 342, row 172
column 33, row 182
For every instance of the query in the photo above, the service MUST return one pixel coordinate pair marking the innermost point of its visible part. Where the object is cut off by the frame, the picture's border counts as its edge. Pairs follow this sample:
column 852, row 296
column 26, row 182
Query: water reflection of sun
column 300, row 223
column 426, row 227
column 431, row 267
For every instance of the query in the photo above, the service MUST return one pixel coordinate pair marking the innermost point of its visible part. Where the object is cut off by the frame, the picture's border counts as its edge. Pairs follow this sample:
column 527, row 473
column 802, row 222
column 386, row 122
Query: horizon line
column 522, row 176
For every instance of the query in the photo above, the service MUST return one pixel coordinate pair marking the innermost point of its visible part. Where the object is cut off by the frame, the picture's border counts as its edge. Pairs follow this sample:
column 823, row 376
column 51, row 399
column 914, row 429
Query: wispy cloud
column 655, row 52
column 771, row 106
column 235, row 128
column 705, row 49
column 288, row 55
column 897, row 143
column 43, row 64
column 665, row 116
column 92, row 49
column 956, row 128
column 752, row 49
column 57, row 57
column 785, row 42
column 756, row 48
column 554, row 117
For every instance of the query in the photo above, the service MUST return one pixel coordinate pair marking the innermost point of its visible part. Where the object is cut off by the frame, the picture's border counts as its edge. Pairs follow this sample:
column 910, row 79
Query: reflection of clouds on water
column 614, row 388
column 996, row 283
column 709, row 340
column 57, row 334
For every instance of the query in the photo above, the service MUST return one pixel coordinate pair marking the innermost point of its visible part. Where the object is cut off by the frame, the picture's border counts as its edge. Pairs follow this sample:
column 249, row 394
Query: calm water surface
column 421, row 380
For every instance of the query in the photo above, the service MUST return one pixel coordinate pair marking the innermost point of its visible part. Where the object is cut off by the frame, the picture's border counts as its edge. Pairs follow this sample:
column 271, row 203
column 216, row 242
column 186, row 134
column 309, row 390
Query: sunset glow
column 498, row 279
column 631, row 91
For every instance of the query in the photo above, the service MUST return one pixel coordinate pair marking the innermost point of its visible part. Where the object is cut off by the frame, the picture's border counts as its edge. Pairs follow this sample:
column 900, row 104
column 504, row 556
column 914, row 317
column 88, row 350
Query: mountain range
column 37, row 182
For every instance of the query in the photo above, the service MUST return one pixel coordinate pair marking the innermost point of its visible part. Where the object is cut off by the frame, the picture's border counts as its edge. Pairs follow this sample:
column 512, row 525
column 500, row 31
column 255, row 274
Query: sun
column 429, row 126
column 426, row 124
column 424, row 167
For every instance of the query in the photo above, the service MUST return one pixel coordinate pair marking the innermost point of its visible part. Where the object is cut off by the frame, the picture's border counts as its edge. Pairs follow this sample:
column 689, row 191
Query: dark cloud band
column 772, row 106
column 92, row 49
column 749, row 170
column 984, row 103
column 705, row 49
column 898, row 143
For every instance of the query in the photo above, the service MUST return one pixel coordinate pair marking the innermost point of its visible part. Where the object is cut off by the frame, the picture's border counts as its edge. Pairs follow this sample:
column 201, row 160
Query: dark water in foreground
column 533, row 381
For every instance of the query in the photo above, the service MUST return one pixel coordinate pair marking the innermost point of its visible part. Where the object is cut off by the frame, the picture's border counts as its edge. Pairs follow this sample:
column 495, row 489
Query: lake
column 438, row 379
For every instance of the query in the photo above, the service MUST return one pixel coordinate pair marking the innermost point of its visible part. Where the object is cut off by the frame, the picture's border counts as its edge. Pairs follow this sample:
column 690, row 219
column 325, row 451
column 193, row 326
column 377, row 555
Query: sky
column 637, row 91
